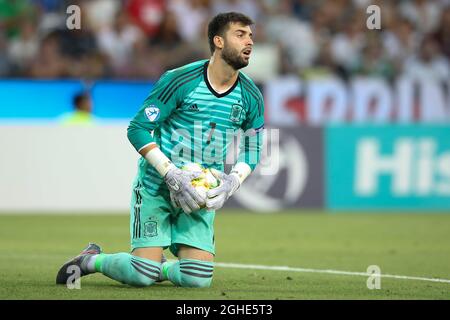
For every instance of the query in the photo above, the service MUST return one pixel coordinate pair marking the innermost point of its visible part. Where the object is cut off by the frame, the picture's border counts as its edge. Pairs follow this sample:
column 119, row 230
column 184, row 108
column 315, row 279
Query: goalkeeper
column 186, row 118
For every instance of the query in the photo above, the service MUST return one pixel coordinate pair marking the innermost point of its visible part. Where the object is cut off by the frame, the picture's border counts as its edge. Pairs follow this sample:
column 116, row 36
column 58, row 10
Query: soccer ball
column 205, row 181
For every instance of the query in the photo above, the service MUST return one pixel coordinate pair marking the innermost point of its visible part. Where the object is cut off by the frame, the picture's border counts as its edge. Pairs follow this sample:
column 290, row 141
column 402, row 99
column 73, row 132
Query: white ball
column 205, row 181
column 201, row 190
column 192, row 167
column 211, row 180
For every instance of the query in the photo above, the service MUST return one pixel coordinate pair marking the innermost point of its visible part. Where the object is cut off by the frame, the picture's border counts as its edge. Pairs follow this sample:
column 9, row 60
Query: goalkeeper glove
column 182, row 193
column 229, row 183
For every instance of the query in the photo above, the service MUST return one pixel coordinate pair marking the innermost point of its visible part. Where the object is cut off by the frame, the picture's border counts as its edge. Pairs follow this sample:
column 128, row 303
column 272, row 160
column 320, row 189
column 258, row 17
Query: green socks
column 140, row 272
column 128, row 269
column 189, row 273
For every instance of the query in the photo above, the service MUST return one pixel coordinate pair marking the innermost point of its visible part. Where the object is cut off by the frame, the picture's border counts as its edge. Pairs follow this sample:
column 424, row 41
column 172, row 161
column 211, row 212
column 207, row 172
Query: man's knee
column 196, row 273
column 145, row 272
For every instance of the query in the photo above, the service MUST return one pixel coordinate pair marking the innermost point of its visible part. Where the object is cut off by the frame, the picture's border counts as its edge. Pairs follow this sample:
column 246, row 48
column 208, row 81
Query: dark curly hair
column 220, row 24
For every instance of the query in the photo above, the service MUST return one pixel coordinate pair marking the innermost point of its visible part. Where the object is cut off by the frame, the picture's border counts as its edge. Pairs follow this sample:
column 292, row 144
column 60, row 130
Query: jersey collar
column 218, row 95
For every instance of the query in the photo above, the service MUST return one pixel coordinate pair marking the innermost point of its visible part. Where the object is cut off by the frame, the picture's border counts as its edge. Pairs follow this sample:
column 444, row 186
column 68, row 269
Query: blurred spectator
column 442, row 34
column 247, row 7
column 78, row 42
column 102, row 13
column 346, row 46
column 132, row 38
column 191, row 16
column 147, row 61
column 323, row 66
column 429, row 64
column 304, row 9
column 51, row 21
column 295, row 37
column 23, row 49
column 320, row 25
column 337, row 13
column 167, row 40
column 12, row 12
column 50, row 5
column 79, row 48
column 168, row 36
column 401, row 41
column 147, row 14
column 423, row 13
column 4, row 62
column 373, row 61
column 82, row 113
column 49, row 62
column 118, row 42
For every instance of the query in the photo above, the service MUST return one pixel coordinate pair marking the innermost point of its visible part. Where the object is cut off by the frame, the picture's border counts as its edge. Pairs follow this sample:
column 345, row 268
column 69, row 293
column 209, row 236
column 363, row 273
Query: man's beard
column 233, row 58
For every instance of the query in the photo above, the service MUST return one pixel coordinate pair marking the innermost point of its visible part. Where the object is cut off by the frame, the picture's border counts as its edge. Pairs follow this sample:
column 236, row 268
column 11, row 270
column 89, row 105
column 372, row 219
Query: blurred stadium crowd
column 132, row 39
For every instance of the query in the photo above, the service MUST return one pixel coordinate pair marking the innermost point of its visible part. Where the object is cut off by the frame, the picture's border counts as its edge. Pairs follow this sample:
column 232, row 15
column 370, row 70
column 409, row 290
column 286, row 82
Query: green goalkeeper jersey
column 190, row 122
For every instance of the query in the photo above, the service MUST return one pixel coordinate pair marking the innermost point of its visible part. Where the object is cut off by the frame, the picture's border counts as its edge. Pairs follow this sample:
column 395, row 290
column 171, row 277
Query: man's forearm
column 138, row 135
column 156, row 158
column 242, row 170
column 147, row 148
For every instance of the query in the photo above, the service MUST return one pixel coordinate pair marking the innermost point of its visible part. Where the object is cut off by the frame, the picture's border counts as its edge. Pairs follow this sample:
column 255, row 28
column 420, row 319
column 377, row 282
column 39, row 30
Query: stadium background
column 358, row 121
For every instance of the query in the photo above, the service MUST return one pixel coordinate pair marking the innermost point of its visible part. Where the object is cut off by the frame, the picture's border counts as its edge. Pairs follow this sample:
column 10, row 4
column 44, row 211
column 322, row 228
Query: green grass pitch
column 32, row 248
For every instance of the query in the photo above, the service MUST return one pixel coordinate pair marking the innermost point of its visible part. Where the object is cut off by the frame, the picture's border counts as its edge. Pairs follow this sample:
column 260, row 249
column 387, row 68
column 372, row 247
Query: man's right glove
column 182, row 193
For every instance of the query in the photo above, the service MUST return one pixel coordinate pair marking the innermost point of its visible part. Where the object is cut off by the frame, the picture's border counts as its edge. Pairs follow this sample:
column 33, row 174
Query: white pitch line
column 348, row 273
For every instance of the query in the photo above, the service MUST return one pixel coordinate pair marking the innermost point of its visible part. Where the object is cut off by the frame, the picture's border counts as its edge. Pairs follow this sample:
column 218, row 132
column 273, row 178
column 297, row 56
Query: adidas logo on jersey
column 193, row 107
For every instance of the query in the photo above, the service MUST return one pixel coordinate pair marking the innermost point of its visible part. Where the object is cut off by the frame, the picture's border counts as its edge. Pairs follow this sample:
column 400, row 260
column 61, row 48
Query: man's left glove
column 182, row 193
column 216, row 197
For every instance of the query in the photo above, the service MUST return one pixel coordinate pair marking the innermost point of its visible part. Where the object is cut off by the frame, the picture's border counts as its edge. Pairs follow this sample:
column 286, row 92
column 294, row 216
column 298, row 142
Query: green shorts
column 154, row 222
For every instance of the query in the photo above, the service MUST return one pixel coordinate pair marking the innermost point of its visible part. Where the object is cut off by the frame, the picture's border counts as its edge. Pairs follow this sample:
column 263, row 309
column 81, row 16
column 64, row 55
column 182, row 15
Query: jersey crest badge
column 236, row 112
column 152, row 113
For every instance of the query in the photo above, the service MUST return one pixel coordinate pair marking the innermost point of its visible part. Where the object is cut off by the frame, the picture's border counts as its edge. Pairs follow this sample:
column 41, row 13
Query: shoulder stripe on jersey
column 257, row 98
column 170, row 89
column 253, row 93
column 175, row 85
column 185, row 74
column 178, row 85
column 251, row 86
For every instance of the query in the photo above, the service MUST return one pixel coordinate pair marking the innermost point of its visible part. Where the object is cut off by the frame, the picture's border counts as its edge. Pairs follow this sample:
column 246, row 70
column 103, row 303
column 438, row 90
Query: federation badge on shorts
column 150, row 229
column 152, row 113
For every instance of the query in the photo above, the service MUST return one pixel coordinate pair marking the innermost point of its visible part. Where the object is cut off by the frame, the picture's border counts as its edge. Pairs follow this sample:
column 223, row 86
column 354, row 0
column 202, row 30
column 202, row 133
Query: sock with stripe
column 128, row 269
column 189, row 273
